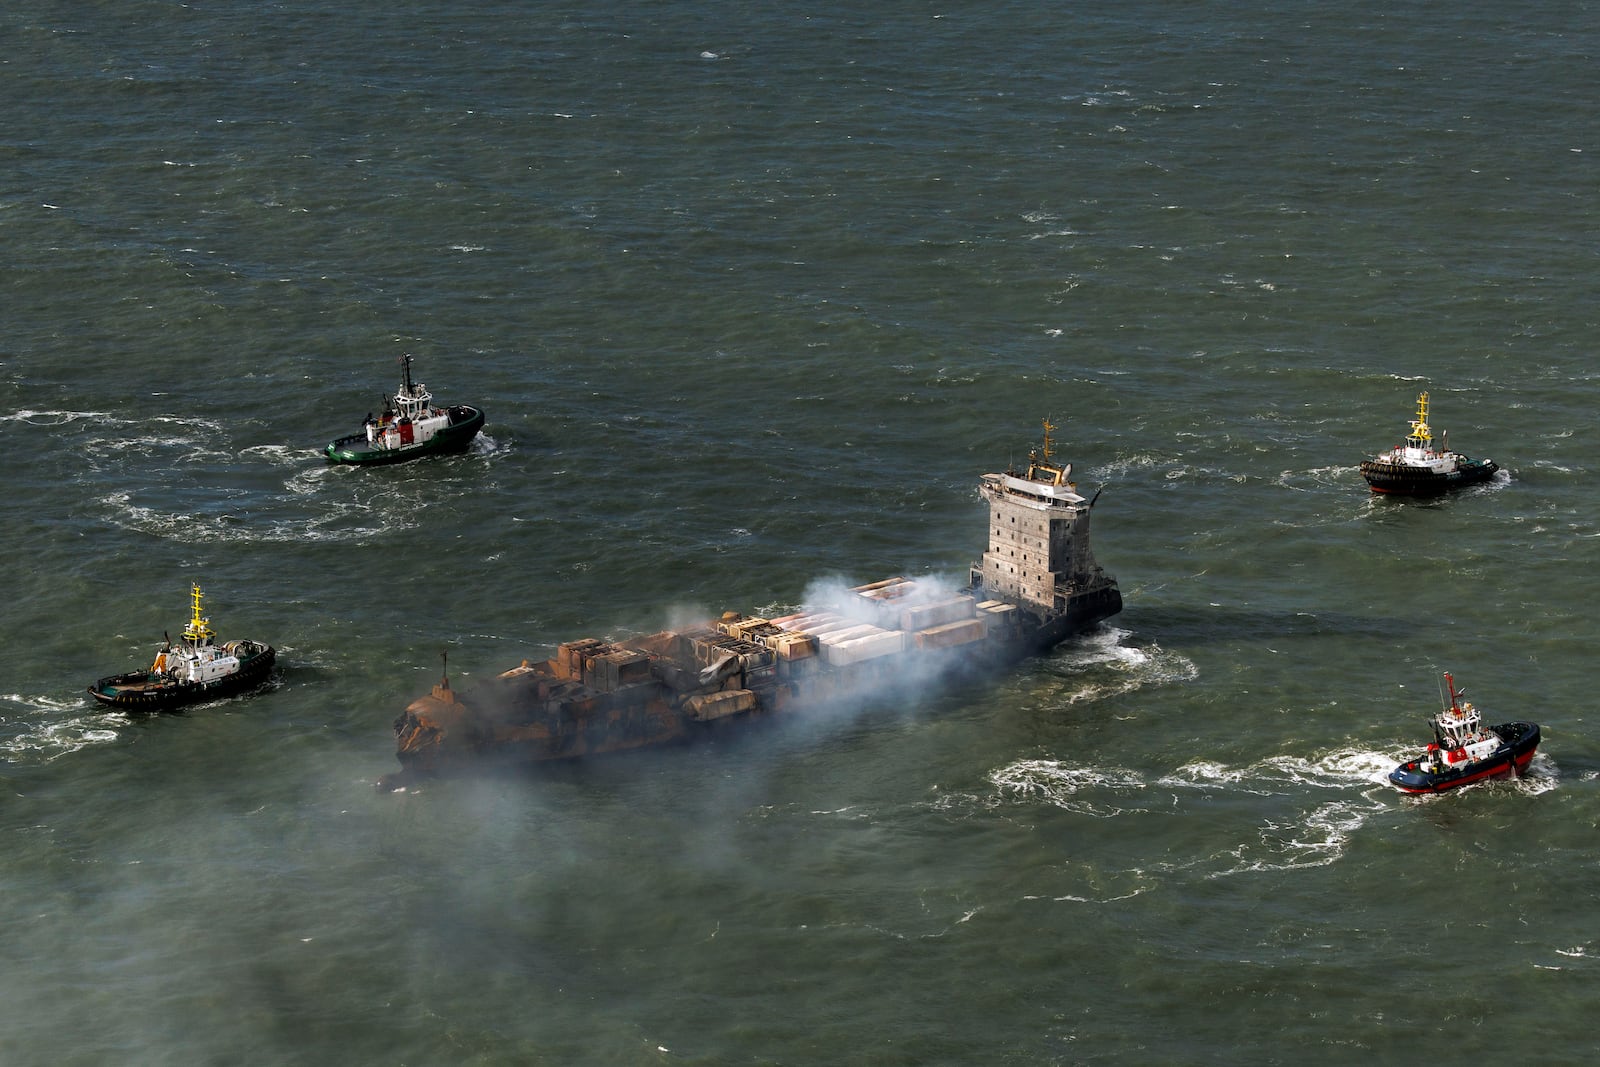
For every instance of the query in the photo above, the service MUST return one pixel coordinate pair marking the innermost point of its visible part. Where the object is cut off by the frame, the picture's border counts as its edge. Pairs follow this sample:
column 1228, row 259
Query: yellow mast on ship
column 1419, row 425
column 199, row 629
column 1039, row 466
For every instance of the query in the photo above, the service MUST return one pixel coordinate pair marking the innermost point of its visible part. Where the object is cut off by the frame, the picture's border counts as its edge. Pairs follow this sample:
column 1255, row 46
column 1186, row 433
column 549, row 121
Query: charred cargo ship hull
column 1037, row 585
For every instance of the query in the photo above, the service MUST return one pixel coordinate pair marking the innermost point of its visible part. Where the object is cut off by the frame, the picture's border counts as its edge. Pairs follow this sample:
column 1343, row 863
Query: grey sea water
column 752, row 294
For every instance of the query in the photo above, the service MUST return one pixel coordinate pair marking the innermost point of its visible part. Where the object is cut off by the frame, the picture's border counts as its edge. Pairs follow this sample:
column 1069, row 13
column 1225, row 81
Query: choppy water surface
column 752, row 295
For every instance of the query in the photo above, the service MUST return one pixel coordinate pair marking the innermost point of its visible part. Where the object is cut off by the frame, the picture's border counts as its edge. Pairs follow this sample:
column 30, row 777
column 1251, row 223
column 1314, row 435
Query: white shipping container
column 870, row 646
column 849, row 633
column 823, row 624
column 923, row 616
column 950, row 634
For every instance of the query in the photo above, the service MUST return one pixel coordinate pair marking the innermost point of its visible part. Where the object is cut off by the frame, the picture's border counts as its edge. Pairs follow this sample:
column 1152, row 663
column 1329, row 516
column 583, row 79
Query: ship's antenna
column 405, row 373
column 1039, row 461
column 444, row 668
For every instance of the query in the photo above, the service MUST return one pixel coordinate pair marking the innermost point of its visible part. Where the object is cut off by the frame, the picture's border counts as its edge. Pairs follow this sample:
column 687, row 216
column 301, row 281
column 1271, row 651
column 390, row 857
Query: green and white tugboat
column 194, row 669
column 410, row 426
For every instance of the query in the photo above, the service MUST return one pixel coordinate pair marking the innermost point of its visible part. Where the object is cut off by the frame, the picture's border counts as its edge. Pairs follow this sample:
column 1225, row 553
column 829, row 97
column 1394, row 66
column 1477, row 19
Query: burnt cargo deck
column 596, row 697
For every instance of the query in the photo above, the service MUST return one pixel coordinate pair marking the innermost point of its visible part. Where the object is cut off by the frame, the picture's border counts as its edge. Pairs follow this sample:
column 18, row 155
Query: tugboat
column 1464, row 751
column 410, row 426
column 1416, row 468
column 195, row 669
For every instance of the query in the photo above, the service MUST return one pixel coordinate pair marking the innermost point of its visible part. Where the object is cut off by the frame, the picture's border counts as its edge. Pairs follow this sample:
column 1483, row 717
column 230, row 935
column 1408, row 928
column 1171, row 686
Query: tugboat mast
column 1420, row 435
column 405, row 374
column 199, row 629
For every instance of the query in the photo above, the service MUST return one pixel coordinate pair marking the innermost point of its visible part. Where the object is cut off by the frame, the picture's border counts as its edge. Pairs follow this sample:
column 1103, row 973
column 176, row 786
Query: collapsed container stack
column 609, row 692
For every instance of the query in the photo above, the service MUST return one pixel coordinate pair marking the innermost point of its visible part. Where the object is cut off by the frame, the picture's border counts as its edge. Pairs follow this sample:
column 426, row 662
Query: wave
column 1127, row 465
column 54, row 418
column 251, row 521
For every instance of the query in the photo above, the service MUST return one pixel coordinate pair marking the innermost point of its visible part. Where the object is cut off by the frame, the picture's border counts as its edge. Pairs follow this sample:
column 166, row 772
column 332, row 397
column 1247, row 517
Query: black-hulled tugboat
column 410, row 426
column 1464, row 751
column 1416, row 468
column 194, row 669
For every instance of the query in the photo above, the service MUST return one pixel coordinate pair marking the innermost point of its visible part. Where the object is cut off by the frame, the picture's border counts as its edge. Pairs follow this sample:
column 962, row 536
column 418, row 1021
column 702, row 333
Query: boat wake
column 1101, row 664
column 304, row 512
column 1309, row 808
column 1099, row 792
column 190, row 479
column 1335, row 477
column 1292, row 822
column 43, row 729
column 1276, row 774
column 485, row 444
column 1284, row 812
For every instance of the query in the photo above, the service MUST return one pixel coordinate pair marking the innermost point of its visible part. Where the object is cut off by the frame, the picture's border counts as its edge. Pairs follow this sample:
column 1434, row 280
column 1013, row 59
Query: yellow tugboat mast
column 1419, row 425
column 199, row 629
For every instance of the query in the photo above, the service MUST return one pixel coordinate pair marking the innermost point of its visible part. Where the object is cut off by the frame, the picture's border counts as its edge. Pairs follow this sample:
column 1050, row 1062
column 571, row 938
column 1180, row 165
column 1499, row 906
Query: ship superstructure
column 1037, row 584
column 1039, row 556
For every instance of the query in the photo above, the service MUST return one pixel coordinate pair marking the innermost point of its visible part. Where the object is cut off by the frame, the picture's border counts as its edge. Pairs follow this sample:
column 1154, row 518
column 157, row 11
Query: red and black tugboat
column 1465, row 751
column 1416, row 468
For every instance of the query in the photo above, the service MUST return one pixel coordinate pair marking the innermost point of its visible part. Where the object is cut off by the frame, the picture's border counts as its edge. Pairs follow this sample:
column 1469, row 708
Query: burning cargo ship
column 1036, row 585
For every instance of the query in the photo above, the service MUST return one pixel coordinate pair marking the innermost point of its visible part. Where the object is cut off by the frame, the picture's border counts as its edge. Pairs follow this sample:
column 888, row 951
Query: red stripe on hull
column 1501, row 770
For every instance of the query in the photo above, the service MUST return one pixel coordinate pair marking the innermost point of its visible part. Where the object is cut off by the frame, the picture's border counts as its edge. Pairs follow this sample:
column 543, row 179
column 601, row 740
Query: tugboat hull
column 465, row 422
column 1400, row 479
column 1519, row 741
column 147, row 691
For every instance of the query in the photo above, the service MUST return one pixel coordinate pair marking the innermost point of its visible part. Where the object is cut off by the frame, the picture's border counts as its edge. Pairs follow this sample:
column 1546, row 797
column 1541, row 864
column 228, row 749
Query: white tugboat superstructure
column 409, row 426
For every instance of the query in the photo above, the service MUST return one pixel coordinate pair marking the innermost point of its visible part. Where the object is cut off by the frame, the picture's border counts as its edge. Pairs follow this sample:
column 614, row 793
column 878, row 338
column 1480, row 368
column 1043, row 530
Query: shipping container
column 951, row 634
